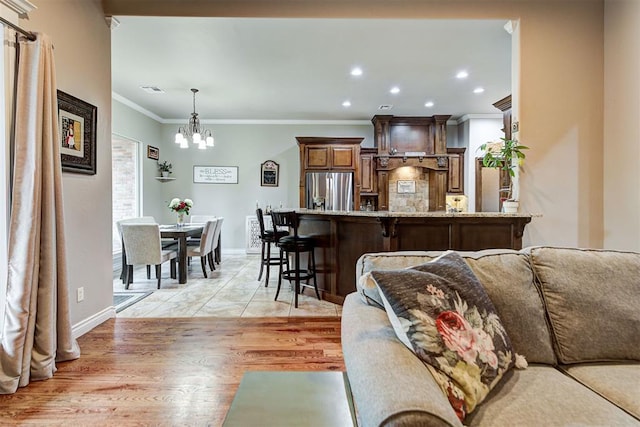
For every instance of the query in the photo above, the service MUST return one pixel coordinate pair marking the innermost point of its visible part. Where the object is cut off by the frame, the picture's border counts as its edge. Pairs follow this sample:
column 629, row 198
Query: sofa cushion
column 592, row 298
column 507, row 277
column 617, row 382
column 390, row 385
column 442, row 312
column 544, row 396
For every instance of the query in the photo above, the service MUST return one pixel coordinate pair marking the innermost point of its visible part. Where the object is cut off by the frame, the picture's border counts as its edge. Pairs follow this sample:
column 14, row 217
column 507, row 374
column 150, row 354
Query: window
column 125, row 183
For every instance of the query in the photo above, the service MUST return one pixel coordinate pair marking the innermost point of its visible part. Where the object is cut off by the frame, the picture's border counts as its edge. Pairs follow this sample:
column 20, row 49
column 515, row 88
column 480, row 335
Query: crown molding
column 271, row 122
column 21, row 7
column 291, row 122
column 467, row 117
column 136, row 107
column 159, row 119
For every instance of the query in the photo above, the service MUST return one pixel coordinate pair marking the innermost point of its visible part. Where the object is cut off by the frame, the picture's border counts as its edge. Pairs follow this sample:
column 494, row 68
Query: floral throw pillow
column 443, row 314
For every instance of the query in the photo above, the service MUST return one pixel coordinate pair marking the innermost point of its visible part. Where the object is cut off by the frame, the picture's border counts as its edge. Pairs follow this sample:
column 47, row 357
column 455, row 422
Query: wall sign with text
column 269, row 172
column 215, row 174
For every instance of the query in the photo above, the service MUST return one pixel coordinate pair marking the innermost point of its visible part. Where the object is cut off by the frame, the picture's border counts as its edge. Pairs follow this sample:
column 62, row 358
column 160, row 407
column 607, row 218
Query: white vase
column 165, row 174
column 509, row 206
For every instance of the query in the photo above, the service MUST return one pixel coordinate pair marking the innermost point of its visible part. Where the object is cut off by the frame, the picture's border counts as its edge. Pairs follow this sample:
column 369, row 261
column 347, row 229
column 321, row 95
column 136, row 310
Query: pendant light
column 199, row 136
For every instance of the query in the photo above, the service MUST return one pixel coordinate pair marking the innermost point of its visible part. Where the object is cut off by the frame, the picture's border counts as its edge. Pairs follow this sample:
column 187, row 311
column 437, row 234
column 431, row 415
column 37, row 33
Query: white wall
column 622, row 125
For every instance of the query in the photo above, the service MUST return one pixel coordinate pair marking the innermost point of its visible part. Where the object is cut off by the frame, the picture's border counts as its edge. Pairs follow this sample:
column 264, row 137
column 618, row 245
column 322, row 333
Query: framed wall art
column 215, row 174
column 77, row 139
column 406, row 187
column 153, row 152
column 269, row 174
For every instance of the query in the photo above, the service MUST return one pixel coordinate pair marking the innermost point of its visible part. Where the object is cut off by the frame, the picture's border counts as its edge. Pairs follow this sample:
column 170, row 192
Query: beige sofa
column 573, row 313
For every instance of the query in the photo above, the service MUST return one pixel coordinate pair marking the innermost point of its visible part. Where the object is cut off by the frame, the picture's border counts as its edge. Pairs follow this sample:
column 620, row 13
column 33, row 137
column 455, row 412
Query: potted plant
column 508, row 156
column 164, row 168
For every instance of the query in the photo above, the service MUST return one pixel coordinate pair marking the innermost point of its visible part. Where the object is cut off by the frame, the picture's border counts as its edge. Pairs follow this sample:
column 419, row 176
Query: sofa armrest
column 390, row 385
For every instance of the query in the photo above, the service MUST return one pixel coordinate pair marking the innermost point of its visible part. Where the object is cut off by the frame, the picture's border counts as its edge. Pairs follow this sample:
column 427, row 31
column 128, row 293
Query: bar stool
column 294, row 244
column 267, row 237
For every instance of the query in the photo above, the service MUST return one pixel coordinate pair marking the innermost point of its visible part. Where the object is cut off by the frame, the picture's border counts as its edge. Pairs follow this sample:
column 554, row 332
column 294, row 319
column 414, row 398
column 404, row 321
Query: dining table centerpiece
column 181, row 208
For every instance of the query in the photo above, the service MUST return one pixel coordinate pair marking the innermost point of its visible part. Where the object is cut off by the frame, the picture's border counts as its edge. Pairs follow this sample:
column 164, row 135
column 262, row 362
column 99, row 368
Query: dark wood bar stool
column 267, row 237
column 294, row 244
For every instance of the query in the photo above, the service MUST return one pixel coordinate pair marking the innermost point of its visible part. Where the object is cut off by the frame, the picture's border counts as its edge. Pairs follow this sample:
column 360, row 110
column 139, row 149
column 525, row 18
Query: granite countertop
column 386, row 214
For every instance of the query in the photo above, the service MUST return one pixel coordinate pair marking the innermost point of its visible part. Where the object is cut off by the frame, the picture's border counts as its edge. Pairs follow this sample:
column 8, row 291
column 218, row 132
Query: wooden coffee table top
column 312, row 399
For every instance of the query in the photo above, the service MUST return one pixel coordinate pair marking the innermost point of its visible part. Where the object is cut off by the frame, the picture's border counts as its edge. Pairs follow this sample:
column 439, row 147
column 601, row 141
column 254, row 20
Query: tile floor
column 231, row 291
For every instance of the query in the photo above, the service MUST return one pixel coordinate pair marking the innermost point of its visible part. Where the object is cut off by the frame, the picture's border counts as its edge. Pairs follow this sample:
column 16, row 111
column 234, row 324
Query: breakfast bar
column 343, row 236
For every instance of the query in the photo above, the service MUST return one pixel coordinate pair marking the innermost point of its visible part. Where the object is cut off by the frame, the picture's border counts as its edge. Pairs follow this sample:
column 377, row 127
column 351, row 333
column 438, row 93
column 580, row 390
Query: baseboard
column 84, row 326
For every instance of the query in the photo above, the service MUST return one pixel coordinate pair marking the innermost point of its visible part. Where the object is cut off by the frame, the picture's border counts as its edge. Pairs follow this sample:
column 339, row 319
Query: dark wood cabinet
column 338, row 154
column 504, row 105
column 419, row 142
column 329, row 157
column 368, row 171
column 455, row 175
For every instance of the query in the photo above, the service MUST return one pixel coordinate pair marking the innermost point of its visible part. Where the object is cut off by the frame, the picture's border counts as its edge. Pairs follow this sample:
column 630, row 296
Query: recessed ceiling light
column 384, row 107
column 395, row 90
column 428, row 104
column 346, row 104
column 356, row 71
column 478, row 90
column 462, row 74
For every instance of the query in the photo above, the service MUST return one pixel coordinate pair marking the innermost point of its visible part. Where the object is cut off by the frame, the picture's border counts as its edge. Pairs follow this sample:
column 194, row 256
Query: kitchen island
column 343, row 236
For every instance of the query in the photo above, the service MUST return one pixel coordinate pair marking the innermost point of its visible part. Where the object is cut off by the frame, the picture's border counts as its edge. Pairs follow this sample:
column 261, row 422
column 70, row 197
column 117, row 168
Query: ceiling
column 299, row 69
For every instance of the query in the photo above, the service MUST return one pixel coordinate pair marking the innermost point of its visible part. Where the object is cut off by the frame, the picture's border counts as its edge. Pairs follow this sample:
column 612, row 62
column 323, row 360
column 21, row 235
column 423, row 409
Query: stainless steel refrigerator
column 331, row 191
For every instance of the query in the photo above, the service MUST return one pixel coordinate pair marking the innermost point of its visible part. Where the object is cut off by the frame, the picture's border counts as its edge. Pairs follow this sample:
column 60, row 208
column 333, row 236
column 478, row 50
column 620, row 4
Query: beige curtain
column 37, row 327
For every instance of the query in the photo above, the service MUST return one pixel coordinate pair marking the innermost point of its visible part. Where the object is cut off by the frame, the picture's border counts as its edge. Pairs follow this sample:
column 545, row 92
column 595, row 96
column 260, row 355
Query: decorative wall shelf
column 164, row 179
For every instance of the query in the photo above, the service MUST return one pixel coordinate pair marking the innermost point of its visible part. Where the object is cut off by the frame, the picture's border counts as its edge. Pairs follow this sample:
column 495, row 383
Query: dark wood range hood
column 412, row 141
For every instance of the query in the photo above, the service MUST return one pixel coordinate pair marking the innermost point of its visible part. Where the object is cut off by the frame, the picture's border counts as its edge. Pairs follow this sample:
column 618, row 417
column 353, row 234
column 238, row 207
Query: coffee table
column 310, row 399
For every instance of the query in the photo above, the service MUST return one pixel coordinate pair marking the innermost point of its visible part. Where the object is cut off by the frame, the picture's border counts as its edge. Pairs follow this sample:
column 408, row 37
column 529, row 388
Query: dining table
column 181, row 234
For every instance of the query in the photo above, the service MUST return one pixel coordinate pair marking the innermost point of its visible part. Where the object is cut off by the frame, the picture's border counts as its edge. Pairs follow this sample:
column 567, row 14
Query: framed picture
column 269, row 172
column 406, row 187
column 77, row 127
column 215, row 174
column 153, row 152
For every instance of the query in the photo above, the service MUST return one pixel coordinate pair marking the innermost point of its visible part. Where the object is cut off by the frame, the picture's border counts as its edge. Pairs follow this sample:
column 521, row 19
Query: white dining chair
column 143, row 245
column 204, row 249
column 198, row 219
column 136, row 220
column 216, row 248
column 201, row 219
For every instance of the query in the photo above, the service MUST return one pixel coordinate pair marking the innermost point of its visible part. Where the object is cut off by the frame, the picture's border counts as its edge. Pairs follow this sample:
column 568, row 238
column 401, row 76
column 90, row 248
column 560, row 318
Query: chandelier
column 202, row 137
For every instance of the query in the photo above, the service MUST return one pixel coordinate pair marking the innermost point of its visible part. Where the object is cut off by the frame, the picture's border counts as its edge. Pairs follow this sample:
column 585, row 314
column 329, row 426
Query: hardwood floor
column 171, row 372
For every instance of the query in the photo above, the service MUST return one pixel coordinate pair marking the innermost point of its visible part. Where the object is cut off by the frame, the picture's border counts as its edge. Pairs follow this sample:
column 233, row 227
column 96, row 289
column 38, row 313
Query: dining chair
column 136, row 220
column 205, row 248
column 201, row 219
column 144, row 247
column 216, row 247
column 198, row 219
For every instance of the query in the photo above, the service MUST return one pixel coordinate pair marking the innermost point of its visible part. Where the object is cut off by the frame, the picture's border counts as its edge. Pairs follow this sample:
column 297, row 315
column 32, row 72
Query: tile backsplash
column 409, row 202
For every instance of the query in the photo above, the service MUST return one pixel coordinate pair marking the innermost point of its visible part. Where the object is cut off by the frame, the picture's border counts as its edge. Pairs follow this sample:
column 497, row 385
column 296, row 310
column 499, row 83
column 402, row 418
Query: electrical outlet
column 80, row 293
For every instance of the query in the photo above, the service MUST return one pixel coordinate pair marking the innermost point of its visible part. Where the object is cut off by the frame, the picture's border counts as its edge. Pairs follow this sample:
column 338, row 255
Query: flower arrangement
column 164, row 167
column 181, row 206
